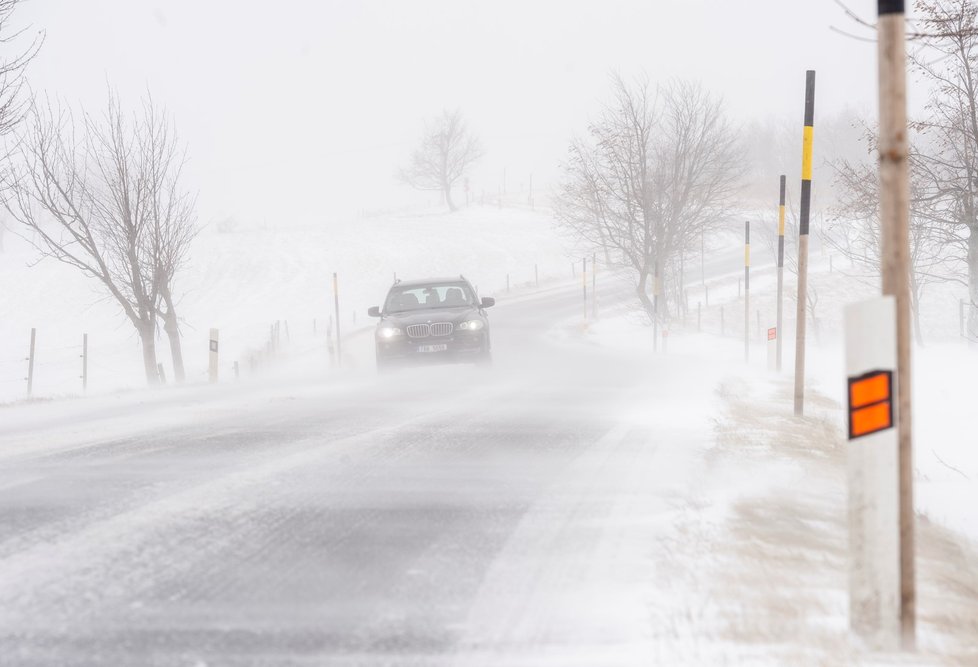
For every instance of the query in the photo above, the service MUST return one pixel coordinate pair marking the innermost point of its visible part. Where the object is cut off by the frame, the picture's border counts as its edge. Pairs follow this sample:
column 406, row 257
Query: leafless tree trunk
column 99, row 195
column 447, row 151
column 173, row 219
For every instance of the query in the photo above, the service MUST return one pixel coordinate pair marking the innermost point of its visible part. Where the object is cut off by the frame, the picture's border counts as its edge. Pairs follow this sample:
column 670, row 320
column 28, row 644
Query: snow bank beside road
column 755, row 571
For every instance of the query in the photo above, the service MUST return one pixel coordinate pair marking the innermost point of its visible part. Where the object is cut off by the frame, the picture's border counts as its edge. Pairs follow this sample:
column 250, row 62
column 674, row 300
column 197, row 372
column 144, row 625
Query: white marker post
column 772, row 348
column 873, row 471
column 213, row 359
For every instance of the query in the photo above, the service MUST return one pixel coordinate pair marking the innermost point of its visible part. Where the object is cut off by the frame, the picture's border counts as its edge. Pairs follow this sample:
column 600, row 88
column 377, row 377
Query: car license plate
column 433, row 348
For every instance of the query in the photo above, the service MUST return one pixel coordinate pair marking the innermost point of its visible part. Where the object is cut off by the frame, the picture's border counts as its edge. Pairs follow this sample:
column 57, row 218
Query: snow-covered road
column 437, row 516
column 571, row 506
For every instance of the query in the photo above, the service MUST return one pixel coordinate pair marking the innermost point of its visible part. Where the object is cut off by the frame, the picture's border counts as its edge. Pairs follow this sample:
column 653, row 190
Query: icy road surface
column 520, row 515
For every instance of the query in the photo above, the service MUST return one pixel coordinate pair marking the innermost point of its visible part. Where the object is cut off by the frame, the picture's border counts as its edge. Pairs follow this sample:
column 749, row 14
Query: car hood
column 454, row 315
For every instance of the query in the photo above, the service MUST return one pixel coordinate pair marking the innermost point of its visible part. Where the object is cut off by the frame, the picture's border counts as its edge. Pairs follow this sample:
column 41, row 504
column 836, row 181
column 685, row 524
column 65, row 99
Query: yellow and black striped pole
column 806, row 200
column 747, row 290
column 779, row 331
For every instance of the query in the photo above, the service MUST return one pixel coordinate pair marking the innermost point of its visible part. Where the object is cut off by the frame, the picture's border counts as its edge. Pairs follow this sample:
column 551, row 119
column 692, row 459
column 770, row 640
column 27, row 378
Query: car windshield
column 434, row 295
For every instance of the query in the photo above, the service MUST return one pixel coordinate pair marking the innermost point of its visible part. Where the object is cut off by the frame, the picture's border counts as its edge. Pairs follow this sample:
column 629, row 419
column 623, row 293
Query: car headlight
column 471, row 325
column 388, row 332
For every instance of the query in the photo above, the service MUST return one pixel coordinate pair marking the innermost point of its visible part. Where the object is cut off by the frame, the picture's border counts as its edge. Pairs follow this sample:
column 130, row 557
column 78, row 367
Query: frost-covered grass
column 240, row 282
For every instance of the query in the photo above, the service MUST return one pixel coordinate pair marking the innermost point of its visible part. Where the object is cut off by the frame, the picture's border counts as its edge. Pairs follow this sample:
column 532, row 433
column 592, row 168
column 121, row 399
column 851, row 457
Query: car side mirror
column 487, row 301
column 373, row 311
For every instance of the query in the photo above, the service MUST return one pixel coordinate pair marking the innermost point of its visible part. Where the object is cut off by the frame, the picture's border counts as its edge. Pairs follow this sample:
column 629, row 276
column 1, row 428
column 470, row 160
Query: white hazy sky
column 298, row 111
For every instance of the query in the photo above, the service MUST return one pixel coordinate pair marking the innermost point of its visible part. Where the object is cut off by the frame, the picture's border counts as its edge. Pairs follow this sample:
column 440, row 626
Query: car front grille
column 425, row 330
column 418, row 330
column 441, row 329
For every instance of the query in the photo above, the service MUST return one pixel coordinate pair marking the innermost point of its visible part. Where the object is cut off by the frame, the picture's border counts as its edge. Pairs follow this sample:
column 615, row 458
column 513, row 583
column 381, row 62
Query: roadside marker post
column 584, row 285
column 30, row 364
column 212, row 368
column 894, row 170
column 84, row 356
column 772, row 348
column 594, row 286
column 747, row 291
column 329, row 341
column 806, row 201
column 336, row 307
column 780, row 324
column 872, row 456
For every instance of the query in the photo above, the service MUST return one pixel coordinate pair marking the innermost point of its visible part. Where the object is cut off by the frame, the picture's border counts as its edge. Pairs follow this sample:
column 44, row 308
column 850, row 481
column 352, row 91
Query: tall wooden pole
column 747, row 290
column 779, row 331
column 895, row 265
column 806, row 200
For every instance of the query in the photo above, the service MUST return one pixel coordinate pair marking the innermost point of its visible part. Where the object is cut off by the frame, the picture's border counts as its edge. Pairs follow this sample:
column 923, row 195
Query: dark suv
column 441, row 319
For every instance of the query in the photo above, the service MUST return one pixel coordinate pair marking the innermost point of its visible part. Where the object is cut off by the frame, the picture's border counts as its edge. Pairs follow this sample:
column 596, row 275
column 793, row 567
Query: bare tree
column 658, row 168
column 948, row 60
column 12, row 103
column 102, row 195
column 446, row 152
column 854, row 226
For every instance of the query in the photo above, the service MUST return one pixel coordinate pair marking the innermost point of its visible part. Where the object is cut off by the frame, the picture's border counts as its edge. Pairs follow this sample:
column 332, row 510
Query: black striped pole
column 779, row 331
column 806, row 200
column 895, row 269
column 747, row 290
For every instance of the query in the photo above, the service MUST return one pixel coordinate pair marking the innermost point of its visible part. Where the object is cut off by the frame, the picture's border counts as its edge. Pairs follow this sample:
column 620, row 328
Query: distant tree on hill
column 446, row 152
column 104, row 195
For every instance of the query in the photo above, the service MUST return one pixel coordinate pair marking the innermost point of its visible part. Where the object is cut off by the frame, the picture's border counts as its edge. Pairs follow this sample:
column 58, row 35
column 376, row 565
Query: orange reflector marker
column 870, row 403
column 772, row 333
